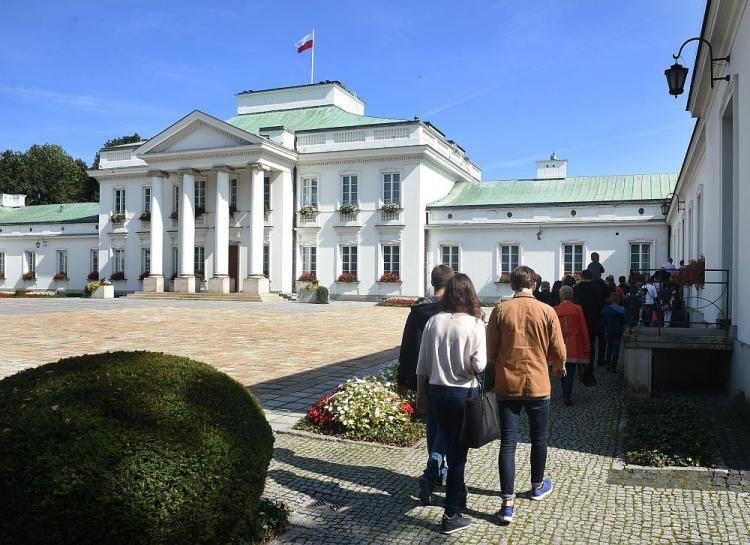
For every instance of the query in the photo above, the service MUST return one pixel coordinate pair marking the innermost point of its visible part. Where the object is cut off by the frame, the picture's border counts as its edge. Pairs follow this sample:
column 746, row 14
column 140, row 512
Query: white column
column 281, row 243
column 186, row 281
column 220, row 281
column 256, row 282
column 155, row 280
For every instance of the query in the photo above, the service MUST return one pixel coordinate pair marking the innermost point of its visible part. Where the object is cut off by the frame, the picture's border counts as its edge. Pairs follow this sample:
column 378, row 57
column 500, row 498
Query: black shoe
column 455, row 523
column 568, row 402
column 425, row 490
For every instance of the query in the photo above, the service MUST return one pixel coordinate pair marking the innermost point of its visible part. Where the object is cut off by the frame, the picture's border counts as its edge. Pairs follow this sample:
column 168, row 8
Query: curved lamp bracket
column 710, row 52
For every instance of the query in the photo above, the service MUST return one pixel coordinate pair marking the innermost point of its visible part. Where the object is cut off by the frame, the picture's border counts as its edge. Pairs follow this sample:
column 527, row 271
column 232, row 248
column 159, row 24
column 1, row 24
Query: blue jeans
column 447, row 404
column 435, row 470
column 510, row 413
column 568, row 380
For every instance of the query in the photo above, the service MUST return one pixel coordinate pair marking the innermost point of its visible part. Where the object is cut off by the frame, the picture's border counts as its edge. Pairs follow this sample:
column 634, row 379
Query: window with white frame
column 349, row 259
column 176, row 199
column 392, row 188
column 449, row 255
column 62, row 261
column 699, row 225
column 175, row 261
column 200, row 195
column 349, row 189
column 508, row 258
column 640, row 257
column 233, row 193
column 266, row 260
column 2, row 265
column 147, row 200
column 572, row 258
column 392, row 259
column 94, row 260
column 29, row 261
column 309, row 259
column 118, row 256
column 119, row 201
column 267, row 193
column 199, row 260
column 145, row 260
column 310, row 192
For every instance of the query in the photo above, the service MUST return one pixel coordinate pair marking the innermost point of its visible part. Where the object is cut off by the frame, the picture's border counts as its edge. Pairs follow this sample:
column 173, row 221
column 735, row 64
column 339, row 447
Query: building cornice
column 546, row 223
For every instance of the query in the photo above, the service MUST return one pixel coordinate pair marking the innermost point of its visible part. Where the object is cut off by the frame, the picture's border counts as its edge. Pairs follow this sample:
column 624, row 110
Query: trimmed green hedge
column 129, row 447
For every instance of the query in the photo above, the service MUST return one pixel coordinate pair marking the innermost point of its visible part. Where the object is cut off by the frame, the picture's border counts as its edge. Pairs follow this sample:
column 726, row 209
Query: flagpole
column 312, row 57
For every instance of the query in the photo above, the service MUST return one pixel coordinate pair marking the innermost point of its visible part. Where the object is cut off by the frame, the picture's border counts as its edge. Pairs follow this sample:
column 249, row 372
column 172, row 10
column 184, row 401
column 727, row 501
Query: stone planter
column 104, row 292
column 307, row 296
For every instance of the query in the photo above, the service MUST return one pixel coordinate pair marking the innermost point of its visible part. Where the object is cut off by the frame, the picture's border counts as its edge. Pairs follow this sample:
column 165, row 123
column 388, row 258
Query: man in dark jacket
column 435, row 471
column 592, row 296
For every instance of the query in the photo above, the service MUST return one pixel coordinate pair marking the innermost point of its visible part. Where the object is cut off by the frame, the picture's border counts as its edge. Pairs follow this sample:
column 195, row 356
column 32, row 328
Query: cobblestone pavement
column 345, row 493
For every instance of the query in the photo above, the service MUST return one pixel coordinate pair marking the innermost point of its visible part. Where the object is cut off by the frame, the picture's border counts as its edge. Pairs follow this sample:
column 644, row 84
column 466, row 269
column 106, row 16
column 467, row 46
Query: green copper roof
column 305, row 119
column 77, row 212
column 631, row 187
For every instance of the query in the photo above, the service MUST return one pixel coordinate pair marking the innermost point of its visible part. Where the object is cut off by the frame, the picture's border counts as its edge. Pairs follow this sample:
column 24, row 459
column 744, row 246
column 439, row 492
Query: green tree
column 128, row 139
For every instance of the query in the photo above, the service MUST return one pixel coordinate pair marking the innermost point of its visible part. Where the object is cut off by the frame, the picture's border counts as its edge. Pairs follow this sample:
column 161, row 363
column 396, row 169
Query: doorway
column 234, row 267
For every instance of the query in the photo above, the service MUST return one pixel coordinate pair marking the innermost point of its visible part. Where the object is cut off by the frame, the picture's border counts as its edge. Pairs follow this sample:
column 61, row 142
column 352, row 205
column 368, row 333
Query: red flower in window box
column 390, row 277
column 308, row 277
column 60, row 276
column 119, row 275
column 31, row 275
column 348, row 277
column 93, row 276
column 504, row 278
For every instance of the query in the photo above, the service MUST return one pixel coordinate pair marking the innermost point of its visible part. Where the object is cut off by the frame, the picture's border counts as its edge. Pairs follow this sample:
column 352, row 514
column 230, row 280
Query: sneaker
column 542, row 491
column 506, row 514
column 425, row 490
column 455, row 523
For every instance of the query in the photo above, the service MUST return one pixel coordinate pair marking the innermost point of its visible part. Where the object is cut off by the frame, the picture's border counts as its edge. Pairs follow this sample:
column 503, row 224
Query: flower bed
column 31, row 294
column 397, row 302
column 366, row 409
column 667, row 432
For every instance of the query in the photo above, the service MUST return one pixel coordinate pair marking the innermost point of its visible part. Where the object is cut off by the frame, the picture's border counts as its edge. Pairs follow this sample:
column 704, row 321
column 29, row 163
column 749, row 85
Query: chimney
column 552, row 168
column 8, row 200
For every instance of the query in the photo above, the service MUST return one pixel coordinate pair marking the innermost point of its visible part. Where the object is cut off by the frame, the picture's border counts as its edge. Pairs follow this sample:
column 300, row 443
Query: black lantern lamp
column 666, row 205
column 677, row 74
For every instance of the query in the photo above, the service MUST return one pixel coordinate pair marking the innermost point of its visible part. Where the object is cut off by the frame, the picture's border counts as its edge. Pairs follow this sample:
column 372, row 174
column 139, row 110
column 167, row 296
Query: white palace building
column 302, row 182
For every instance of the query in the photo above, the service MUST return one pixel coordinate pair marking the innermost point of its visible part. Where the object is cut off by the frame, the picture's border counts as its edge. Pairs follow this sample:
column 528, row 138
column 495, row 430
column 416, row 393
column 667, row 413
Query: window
column 119, row 201
column 200, row 195
column 29, row 261
column 147, row 200
column 267, row 193
column 450, row 257
column 572, row 258
column 349, row 189
column 392, row 188
column 391, row 261
column 690, row 231
column 145, row 260
column 640, row 257
column 175, row 261
column 309, row 259
column 176, row 199
column 266, row 260
column 199, row 260
column 310, row 192
column 62, row 261
column 699, row 225
column 508, row 258
column 94, row 260
column 119, row 261
column 2, row 265
column 233, row 193
column 349, row 259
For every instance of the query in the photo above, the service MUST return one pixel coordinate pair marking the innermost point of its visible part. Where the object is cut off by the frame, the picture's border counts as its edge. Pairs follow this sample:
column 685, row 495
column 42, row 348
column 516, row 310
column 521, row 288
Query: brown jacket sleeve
column 493, row 347
column 556, row 342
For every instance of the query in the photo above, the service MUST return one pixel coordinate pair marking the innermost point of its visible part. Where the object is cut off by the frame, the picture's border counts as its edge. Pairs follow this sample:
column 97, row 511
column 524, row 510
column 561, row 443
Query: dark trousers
column 447, row 404
column 568, row 380
column 613, row 351
column 510, row 413
column 598, row 340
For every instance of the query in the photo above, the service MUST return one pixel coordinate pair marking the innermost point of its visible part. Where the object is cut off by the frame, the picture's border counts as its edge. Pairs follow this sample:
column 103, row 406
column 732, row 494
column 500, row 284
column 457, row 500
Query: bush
column 129, row 447
column 322, row 295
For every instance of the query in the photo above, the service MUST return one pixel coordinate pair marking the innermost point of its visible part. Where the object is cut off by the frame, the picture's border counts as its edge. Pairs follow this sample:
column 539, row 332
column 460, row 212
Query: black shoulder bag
column 481, row 419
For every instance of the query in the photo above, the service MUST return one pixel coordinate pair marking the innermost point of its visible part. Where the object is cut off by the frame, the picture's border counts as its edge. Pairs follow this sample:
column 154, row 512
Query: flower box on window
column 504, row 278
column 31, row 275
column 142, row 276
column 93, row 276
column 2, row 276
column 60, row 276
column 308, row 277
column 390, row 207
column 692, row 274
column 199, row 211
column 308, row 211
column 146, row 216
column 117, row 276
column 390, row 277
column 348, row 277
column 347, row 208
column 117, row 218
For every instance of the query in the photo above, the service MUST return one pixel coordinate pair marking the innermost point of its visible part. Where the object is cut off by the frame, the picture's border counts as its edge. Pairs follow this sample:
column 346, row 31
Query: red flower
column 317, row 413
column 407, row 408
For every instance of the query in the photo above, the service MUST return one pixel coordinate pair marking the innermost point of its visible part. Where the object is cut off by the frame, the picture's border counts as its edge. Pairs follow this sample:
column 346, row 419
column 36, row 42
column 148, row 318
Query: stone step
column 202, row 296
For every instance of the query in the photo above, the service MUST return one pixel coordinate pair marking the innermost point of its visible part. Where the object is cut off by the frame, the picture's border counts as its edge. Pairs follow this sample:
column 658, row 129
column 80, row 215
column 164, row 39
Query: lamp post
column 677, row 74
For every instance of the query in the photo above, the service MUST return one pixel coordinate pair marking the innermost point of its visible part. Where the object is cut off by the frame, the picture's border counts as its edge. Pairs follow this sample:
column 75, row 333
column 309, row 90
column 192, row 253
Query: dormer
column 9, row 200
column 325, row 93
column 552, row 168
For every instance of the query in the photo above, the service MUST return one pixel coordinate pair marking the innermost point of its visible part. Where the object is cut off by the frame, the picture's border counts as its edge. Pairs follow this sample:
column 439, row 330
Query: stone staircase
column 206, row 296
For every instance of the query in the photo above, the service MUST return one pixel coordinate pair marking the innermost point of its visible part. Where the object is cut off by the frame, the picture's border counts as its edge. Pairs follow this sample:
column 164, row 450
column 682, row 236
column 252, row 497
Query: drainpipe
column 426, row 253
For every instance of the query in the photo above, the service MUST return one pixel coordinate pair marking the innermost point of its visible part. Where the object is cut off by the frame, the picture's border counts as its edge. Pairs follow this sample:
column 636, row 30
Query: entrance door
column 234, row 266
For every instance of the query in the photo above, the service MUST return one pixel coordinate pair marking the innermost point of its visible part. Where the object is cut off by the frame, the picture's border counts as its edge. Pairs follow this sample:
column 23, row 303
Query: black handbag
column 481, row 419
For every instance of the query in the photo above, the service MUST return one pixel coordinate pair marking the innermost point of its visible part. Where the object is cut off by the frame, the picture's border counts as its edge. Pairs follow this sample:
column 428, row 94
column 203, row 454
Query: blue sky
column 510, row 81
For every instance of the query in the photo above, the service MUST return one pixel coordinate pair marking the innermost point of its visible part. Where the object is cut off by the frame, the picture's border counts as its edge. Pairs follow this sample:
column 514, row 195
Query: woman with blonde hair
column 576, row 335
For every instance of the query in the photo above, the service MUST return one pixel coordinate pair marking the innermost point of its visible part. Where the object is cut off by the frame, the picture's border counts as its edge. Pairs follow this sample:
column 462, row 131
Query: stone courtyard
column 346, row 492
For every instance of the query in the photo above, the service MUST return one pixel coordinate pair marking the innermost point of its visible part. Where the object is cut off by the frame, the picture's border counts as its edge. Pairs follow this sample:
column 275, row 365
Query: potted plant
column 99, row 290
column 390, row 278
column 390, row 207
column 117, row 218
column 348, row 277
column 692, row 274
column 146, row 216
column 347, row 208
column 60, row 276
column 504, row 278
column 308, row 293
column 93, row 276
column 308, row 211
column 30, row 275
column 117, row 276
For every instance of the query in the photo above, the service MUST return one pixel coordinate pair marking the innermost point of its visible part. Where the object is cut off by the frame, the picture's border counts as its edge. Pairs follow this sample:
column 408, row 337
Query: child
column 595, row 267
column 614, row 327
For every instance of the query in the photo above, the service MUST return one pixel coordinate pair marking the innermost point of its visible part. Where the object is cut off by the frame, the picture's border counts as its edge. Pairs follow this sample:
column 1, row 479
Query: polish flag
column 305, row 43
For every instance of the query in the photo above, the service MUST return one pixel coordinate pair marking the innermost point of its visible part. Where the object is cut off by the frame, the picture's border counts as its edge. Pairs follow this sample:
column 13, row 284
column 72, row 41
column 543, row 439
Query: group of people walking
column 447, row 352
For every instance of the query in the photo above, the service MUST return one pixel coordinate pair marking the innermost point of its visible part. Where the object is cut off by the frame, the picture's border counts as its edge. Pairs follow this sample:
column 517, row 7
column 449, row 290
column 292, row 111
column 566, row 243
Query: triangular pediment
column 197, row 131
